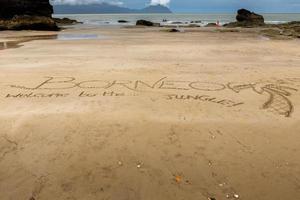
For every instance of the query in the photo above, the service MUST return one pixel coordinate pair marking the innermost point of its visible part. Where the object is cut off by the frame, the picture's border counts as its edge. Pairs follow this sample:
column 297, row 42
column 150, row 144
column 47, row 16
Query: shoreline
column 15, row 39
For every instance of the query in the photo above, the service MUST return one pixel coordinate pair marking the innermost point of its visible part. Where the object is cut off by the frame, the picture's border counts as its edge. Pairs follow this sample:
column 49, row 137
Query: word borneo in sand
column 54, row 83
column 278, row 91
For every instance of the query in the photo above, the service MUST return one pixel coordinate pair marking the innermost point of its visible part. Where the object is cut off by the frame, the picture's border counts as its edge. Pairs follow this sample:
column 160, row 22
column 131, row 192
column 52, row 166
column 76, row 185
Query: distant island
column 106, row 8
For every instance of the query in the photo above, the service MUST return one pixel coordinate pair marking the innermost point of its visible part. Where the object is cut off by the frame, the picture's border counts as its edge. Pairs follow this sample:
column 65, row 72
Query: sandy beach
column 144, row 114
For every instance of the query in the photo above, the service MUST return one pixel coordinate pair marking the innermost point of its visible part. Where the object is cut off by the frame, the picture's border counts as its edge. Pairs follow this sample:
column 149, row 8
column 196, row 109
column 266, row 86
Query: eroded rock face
column 26, row 15
column 11, row 8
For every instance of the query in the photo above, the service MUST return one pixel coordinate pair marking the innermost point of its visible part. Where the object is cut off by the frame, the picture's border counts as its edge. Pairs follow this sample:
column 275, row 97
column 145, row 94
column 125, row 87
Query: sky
column 193, row 6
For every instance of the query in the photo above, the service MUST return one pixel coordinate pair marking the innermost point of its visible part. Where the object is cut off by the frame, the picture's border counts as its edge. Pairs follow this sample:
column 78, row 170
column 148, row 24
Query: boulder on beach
column 146, row 23
column 122, row 21
column 250, row 17
column 26, row 14
column 173, row 30
column 246, row 18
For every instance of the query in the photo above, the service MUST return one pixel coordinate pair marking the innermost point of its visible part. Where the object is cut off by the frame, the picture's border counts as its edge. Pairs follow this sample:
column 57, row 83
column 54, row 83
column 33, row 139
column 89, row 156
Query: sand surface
column 142, row 114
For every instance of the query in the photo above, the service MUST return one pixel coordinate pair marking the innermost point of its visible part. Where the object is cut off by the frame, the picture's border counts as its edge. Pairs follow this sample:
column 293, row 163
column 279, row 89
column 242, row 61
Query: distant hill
column 106, row 8
column 156, row 9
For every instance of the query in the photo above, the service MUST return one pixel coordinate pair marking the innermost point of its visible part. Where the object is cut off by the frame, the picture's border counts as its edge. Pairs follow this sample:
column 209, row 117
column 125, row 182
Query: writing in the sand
column 103, row 94
column 62, row 95
column 277, row 91
column 87, row 94
column 204, row 98
column 37, row 95
column 63, row 83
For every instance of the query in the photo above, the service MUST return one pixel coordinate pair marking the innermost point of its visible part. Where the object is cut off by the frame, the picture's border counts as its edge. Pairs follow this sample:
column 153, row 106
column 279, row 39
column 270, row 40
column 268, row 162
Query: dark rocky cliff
column 10, row 8
column 26, row 14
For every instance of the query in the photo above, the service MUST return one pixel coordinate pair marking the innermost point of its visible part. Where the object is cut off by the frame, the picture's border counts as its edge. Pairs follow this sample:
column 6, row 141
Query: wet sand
column 146, row 114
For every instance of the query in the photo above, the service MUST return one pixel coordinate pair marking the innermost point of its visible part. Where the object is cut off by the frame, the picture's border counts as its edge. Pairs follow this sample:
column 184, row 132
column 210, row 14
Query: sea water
column 200, row 19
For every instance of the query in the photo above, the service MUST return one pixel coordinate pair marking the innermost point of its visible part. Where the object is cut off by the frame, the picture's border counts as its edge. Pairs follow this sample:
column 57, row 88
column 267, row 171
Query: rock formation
column 249, row 17
column 246, row 18
column 26, row 14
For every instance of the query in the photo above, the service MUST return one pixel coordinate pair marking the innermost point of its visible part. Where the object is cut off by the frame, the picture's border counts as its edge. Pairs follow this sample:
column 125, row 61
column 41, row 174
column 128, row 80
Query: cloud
column 161, row 2
column 85, row 2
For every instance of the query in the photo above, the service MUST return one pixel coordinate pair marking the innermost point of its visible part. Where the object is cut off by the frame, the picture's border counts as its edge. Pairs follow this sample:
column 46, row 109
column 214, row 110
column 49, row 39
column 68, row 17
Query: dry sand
column 149, row 115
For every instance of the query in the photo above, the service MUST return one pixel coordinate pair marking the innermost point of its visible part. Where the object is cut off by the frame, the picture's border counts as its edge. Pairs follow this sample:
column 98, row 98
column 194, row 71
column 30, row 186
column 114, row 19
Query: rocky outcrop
column 26, row 14
column 246, row 18
column 282, row 31
column 29, row 23
column 66, row 21
column 291, row 28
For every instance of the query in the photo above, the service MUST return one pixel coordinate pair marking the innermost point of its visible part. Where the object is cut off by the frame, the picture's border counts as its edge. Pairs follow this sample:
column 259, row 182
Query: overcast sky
column 207, row 5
